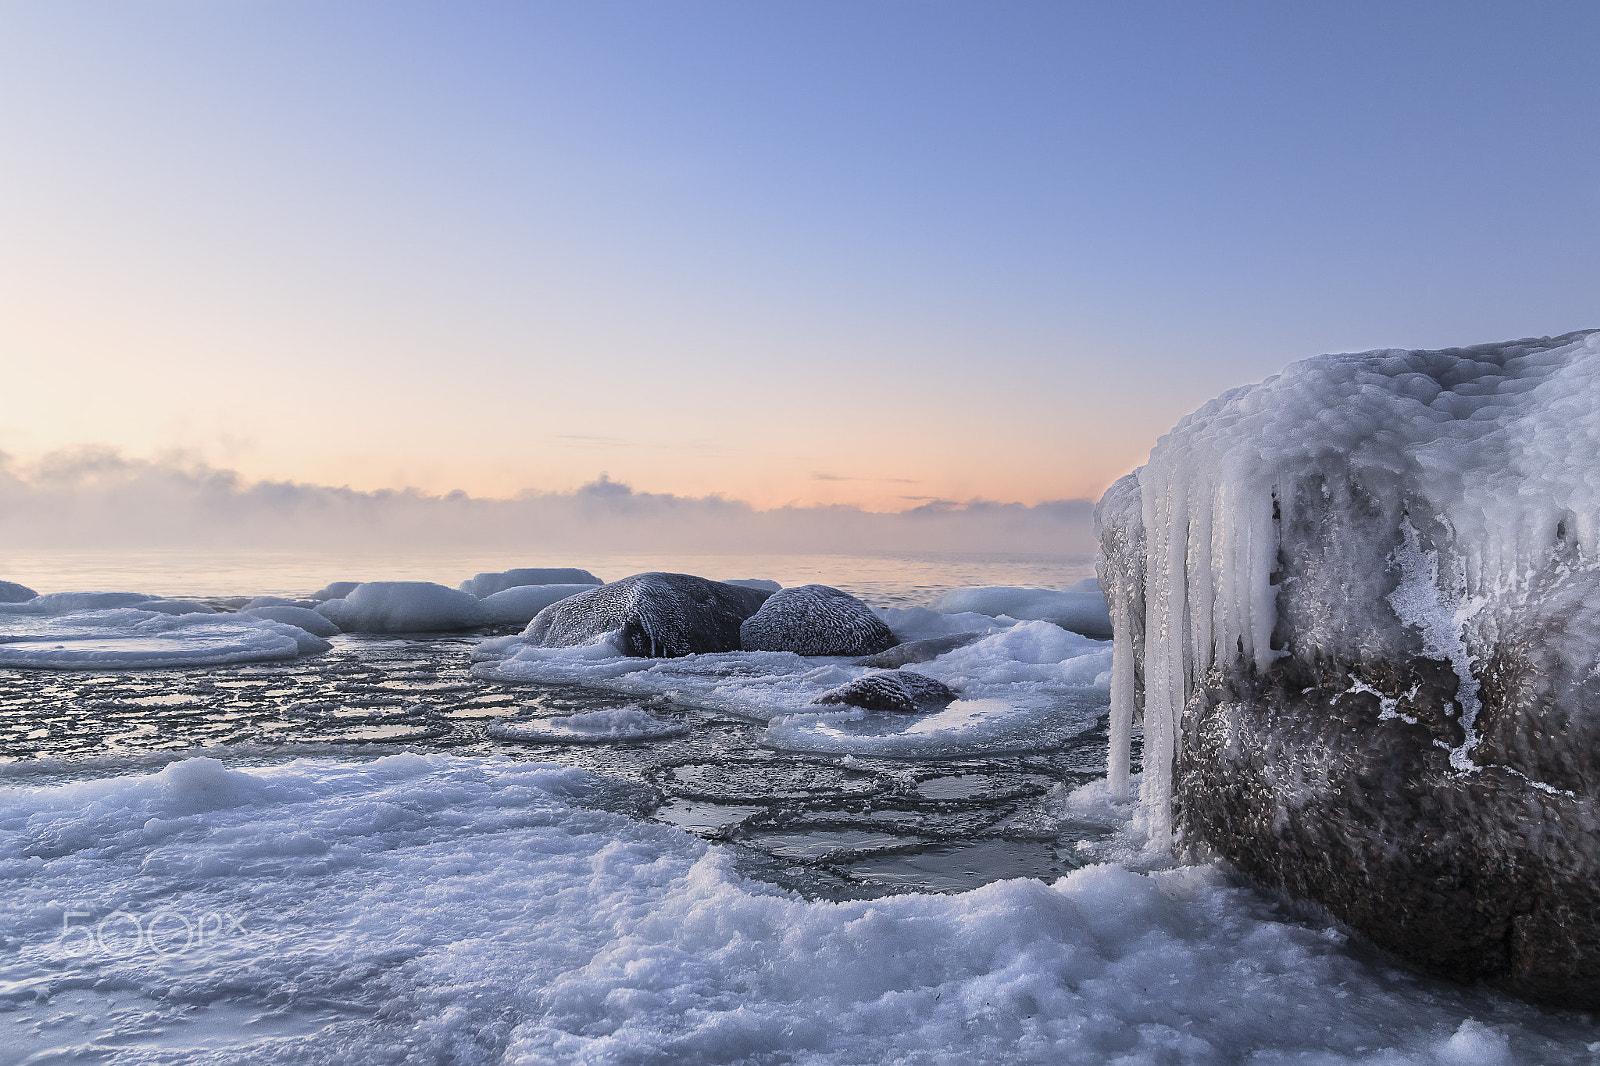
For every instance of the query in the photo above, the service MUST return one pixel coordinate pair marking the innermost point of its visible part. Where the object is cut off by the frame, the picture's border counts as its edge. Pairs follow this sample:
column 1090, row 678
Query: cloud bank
column 96, row 497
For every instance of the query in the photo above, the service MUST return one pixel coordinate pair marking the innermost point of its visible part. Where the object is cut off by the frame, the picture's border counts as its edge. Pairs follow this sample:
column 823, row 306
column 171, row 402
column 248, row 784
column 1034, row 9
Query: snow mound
column 402, row 607
column 132, row 639
column 517, row 606
column 1473, row 473
column 176, row 607
column 299, row 617
column 1080, row 611
column 11, row 592
column 335, row 590
column 486, row 585
column 475, row 909
column 592, row 727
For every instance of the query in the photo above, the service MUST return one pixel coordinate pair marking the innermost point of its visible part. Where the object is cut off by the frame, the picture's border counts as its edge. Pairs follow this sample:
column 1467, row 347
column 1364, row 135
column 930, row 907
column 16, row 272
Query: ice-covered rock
column 517, row 606
column 1362, row 600
column 11, row 592
column 899, row 691
column 402, row 607
column 815, row 620
column 651, row 615
column 300, row 617
column 486, row 585
column 1082, row 610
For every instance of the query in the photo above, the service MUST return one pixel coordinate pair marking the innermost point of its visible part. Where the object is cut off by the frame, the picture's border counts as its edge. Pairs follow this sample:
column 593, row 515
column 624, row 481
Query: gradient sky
column 866, row 252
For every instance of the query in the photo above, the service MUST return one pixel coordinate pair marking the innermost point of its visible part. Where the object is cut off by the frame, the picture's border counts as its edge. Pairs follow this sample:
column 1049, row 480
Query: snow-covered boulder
column 486, row 585
column 1082, row 610
column 649, row 615
column 815, row 620
column 11, row 592
column 1359, row 606
column 516, row 606
column 402, row 607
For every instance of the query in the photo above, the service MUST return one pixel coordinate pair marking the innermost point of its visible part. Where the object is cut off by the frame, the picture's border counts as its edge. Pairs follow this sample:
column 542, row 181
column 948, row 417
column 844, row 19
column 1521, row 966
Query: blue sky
column 865, row 253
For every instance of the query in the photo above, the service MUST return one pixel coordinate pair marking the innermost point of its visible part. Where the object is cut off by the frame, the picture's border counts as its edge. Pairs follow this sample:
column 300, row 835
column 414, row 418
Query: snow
column 1489, row 456
column 132, row 638
column 1028, row 686
column 1082, row 611
column 11, row 592
column 590, row 727
column 402, row 607
column 299, row 617
column 486, row 585
column 517, row 605
column 176, row 607
column 457, row 909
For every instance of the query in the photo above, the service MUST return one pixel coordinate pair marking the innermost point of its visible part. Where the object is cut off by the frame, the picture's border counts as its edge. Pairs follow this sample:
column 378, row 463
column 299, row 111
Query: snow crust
column 474, row 910
column 486, row 585
column 56, row 632
column 1469, row 476
column 402, row 607
column 299, row 617
column 590, row 727
column 1082, row 611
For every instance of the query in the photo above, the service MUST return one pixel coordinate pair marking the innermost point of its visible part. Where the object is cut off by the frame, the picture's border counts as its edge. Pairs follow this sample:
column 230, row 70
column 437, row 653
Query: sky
column 878, row 254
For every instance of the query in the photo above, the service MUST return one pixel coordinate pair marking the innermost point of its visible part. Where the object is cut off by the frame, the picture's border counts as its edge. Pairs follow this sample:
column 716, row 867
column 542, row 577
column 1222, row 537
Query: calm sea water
column 886, row 580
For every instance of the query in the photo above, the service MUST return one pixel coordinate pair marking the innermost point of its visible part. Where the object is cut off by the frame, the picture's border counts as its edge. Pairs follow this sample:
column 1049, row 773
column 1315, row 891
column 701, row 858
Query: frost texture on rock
column 816, row 620
column 900, row 691
column 1363, row 598
column 651, row 615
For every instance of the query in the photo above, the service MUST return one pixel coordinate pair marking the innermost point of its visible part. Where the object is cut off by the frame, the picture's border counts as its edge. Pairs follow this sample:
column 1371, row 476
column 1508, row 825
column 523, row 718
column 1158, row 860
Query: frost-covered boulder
column 485, row 585
column 518, row 605
column 649, row 615
column 899, row 691
column 402, row 607
column 815, row 620
column 11, row 592
column 1082, row 611
column 1359, row 606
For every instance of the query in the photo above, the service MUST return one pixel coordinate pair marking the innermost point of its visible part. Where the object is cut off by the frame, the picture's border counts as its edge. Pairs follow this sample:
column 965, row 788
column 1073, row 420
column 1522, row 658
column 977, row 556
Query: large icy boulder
column 1359, row 605
column 815, row 620
column 485, row 585
column 402, row 607
column 650, row 615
